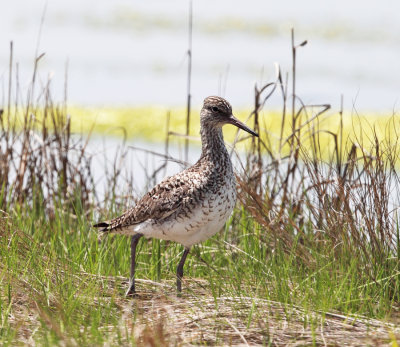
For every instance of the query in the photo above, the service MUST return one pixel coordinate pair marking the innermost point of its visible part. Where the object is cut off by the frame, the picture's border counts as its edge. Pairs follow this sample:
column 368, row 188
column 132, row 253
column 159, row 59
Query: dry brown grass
column 225, row 321
column 159, row 318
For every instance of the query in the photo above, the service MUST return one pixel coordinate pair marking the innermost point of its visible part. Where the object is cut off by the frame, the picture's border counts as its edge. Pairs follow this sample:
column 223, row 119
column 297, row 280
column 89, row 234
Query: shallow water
column 139, row 162
column 133, row 52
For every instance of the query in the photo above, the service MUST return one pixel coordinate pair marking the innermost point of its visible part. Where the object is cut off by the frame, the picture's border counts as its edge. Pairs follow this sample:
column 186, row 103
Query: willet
column 193, row 205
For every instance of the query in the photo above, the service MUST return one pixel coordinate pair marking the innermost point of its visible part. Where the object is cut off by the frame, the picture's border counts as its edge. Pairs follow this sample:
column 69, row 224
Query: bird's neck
column 213, row 146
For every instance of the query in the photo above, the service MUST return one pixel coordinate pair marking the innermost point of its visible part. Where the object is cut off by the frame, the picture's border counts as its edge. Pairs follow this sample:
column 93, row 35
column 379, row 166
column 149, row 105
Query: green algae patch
column 277, row 132
column 150, row 123
column 145, row 123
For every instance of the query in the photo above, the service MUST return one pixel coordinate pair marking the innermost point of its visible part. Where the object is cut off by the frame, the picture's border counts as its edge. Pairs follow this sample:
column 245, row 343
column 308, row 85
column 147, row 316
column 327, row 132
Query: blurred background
column 134, row 53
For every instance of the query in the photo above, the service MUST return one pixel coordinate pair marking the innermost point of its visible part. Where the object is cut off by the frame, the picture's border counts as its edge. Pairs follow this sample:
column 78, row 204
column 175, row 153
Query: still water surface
column 134, row 52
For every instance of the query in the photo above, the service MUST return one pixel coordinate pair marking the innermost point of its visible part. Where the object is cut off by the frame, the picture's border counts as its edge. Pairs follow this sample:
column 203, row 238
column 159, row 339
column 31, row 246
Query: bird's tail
column 104, row 227
column 116, row 225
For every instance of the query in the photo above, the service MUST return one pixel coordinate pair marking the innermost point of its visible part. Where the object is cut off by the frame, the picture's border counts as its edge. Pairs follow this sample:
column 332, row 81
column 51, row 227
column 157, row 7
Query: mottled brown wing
column 163, row 200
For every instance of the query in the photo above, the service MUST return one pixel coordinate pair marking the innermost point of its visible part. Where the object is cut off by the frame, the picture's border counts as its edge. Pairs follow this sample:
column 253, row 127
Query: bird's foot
column 131, row 293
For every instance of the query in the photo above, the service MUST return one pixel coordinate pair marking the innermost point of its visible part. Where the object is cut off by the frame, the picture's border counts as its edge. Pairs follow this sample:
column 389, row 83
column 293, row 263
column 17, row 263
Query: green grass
column 311, row 254
column 60, row 285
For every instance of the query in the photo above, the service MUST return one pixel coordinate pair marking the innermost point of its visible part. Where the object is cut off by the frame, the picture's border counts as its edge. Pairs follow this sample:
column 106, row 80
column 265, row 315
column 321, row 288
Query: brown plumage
column 192, row 205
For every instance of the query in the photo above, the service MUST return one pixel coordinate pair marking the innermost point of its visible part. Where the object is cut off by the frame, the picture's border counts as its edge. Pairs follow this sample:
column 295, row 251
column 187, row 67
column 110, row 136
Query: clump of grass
column 41, row 162
column 335, row 220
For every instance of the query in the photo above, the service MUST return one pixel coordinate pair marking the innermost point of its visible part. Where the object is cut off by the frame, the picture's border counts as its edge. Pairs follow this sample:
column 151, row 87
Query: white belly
column 204, row 221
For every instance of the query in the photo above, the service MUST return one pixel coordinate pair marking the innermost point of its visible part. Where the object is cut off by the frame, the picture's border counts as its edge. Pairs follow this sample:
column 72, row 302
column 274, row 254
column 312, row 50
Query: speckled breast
column 204, row 220
column 210, row 216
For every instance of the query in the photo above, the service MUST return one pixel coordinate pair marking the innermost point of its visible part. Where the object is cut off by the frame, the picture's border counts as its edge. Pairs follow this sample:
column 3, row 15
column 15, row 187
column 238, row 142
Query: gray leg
column 179, row 270
column 134, row 241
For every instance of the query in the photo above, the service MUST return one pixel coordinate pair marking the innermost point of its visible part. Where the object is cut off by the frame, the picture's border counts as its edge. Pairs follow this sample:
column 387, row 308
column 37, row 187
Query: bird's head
column 217, row 112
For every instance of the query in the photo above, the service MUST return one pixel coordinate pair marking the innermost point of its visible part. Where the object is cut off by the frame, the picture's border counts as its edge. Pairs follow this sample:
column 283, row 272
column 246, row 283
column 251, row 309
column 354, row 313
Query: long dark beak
column 239, row 124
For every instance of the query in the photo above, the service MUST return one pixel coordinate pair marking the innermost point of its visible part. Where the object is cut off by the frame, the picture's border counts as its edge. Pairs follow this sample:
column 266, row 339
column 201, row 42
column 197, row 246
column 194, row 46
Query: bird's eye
column 215, row 109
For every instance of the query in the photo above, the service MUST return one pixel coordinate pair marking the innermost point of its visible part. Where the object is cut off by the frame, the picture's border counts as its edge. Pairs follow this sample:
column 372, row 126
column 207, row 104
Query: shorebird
column 193, row 205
